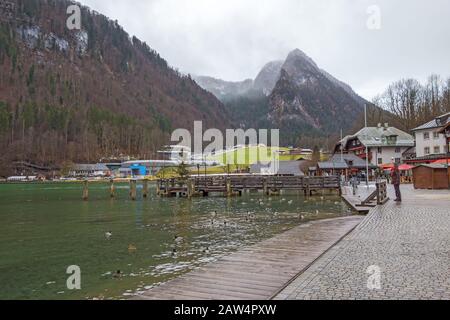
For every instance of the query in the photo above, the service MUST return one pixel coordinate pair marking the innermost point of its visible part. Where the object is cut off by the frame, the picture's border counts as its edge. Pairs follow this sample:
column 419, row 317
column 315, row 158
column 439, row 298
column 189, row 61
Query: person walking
column 395, row 178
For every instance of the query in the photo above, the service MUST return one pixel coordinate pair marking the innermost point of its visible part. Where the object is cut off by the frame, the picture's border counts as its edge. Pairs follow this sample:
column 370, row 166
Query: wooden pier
column 261, row 271
column 236, row 185
column 362, row 203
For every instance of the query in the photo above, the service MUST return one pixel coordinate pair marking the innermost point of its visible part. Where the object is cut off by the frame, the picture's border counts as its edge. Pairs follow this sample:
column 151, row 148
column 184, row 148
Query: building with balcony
column 383, row 143
column 432, row 139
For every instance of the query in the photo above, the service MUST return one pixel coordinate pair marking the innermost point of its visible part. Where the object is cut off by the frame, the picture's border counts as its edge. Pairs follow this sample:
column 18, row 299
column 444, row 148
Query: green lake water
column 45, row 228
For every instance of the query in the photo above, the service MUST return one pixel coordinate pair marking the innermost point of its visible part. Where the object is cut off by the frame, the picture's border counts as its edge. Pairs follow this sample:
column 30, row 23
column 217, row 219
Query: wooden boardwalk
column 237, row 184
column 365, row 199
column 261, row 271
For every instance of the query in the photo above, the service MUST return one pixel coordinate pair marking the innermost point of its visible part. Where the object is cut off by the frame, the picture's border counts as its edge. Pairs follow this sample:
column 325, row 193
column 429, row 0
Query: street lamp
column 367, row 148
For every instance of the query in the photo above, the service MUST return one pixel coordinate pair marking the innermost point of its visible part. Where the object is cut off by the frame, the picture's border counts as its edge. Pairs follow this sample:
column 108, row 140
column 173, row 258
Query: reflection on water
column 125, row 247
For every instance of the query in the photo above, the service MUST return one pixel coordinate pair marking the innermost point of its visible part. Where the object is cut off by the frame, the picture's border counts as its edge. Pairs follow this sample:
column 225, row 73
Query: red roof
column 444, row 161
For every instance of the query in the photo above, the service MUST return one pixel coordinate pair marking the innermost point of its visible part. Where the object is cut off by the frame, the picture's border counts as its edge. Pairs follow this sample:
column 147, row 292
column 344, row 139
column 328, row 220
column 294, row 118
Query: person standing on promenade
column 395, row 178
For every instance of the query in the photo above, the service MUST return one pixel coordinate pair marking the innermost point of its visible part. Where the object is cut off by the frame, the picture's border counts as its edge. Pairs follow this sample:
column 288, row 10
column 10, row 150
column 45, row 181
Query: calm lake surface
column 45, row 228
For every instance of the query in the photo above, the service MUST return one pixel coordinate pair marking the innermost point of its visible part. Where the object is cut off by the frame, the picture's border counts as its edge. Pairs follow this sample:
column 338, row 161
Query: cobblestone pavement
column 408, row 242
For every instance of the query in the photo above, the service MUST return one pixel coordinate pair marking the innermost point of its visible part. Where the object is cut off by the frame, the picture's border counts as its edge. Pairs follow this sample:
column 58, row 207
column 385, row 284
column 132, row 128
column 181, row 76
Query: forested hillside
column 80, row 95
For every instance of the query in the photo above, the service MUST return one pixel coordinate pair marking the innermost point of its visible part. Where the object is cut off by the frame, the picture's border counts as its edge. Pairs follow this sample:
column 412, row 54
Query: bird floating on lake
column 108, row 235
column 290, row 202
column 178, row 239
column 132, row 247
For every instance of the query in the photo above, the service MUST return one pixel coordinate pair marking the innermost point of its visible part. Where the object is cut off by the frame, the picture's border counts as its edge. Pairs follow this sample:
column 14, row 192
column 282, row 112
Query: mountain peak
column 268, row 76
column 299, row 55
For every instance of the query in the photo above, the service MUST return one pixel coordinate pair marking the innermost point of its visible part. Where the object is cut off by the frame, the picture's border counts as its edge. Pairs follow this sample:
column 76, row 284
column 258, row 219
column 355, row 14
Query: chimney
column 386, row 126
column 379, row 125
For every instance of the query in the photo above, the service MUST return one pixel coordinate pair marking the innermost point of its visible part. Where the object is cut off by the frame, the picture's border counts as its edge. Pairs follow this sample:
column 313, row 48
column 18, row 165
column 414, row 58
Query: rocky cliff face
column 305, row 96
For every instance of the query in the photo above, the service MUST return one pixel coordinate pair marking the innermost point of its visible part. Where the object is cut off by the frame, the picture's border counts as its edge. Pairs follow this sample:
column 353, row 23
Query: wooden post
column 229, row 191
column 158, row 188
column 190, row 188
column 166, row 186
column 145, row 188
column 111, row 188
column 307, row 190
column 265, row 187
column 133, row 189
column 85, row 190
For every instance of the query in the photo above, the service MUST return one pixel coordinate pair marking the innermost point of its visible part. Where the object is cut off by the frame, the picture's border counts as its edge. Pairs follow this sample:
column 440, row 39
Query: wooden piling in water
column 145, row 188
column 228, row 185
column 190, row 188
column 112, row 190
column 85, row 190
column 265, row 188
column 133, row 189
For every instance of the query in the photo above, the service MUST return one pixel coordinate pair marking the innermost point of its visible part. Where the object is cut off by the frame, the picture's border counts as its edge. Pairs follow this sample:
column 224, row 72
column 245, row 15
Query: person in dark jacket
column 395, row 178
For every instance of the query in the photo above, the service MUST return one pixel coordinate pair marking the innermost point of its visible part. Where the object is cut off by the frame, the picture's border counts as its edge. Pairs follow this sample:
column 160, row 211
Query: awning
column 405, row 167
column 387, row 166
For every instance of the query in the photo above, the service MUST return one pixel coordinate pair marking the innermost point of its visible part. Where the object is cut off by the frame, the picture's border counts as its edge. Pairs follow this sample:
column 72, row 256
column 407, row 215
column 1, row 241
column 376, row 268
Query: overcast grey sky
column 233, row 39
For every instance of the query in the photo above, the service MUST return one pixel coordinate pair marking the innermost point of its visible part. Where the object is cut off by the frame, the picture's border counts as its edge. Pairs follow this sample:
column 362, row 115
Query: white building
column 89, row 170
column 383, row 143
column 430, row 138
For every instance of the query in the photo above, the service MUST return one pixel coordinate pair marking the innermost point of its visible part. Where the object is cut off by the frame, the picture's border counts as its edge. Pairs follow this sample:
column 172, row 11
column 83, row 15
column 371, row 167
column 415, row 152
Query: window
column 437, row 149
column 427, row 150
column 436, row 135
column 380, row 150
column 380, row 160
column 398, row 150
column 398, row 160
column 426, row 136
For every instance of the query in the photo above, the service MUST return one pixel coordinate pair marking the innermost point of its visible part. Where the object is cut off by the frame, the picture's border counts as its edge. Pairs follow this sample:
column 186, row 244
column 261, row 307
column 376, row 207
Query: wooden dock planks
column 258, row 272
column 354, row 202
column 229, row 185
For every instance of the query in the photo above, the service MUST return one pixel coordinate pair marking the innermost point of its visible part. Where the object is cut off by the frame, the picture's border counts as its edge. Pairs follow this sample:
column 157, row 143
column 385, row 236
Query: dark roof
column 410, row 151
column 352, row 160
column 431, row 157
column 435, row 123
column 332, row 165
column 90, row 167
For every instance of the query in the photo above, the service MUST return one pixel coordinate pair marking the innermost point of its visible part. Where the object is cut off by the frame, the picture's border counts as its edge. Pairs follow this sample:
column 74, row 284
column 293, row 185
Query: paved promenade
column 258, row 272
column 408, row 243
